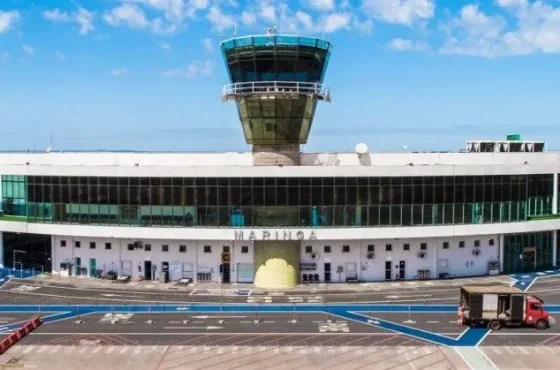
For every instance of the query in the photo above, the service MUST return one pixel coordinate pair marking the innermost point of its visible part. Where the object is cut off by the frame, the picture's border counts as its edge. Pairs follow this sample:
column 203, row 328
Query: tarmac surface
column 337, row 335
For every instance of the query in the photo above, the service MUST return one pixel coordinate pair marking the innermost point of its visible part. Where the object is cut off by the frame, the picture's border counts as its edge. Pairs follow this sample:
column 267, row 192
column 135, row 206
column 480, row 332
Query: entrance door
column 327, row 272
column 92, row 267
column 226, row 273
column 147, row 270
column 529, row 260
column 402, row 269
column 78, row 266
column 388, row 269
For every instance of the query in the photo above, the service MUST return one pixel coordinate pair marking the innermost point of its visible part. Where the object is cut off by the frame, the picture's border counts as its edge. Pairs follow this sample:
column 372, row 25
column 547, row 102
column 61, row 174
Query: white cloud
column 82, row 17
column 133, row 16
column 165, row 46
column 248, row 18
column 194, row 69
column 119, row 72
column 405, row 45
column 535, row 28
column 127, row 13
column 208, row 45
column 29, row 50
column 7, row 20
column 305, row 19
column 322, row 5
column 55, row 15
column 334, row 22
column 219, row 19
column 59, row 55
column 85, row 19
column 400, row 11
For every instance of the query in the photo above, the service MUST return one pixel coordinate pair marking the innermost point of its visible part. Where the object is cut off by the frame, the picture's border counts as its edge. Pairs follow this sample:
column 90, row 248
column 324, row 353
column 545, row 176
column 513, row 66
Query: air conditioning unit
column 476, row 252
column 422, row 254
column 138, row 244
column 314, row 255
column 370, row 255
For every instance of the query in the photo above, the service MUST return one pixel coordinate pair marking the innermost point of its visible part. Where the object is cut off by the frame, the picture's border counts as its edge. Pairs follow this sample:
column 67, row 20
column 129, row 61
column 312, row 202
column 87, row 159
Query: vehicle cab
column 535, row 314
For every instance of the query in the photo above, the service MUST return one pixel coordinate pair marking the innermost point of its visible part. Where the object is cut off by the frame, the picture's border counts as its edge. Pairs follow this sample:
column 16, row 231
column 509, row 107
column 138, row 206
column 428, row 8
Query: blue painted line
column 470, row 337
column 525, row 281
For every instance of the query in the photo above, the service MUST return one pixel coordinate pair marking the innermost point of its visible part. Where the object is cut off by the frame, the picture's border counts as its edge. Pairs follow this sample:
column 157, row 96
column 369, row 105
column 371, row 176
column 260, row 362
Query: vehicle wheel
column 541, row 325
column 494, row 325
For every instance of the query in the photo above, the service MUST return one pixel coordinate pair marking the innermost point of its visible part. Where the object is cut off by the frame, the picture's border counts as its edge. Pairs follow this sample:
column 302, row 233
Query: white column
column 1, row 249
column 195, row 264
column 554, row 247
column 435, row 261
column 501, row 253
column 555, row 194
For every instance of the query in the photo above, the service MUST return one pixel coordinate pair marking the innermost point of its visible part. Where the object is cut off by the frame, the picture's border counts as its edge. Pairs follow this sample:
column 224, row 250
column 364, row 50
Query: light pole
column 14, row 256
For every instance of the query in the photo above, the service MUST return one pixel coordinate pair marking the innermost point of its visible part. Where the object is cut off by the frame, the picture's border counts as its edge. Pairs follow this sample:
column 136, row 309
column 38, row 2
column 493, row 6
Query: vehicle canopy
column 498, row 289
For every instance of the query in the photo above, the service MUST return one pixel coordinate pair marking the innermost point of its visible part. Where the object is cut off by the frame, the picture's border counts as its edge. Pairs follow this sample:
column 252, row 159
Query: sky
column 147, row 74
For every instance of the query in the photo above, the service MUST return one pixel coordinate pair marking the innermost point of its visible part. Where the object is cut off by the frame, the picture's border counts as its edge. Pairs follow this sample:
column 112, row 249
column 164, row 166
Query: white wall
column 110, row 259
column 241, row 164
column 374, row 269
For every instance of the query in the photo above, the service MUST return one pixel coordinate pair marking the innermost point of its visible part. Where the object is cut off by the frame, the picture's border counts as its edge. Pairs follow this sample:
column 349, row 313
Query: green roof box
column 514, row 137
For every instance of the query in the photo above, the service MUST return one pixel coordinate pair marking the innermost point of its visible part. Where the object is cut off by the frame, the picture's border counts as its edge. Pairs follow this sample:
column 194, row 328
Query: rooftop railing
column 276, row 88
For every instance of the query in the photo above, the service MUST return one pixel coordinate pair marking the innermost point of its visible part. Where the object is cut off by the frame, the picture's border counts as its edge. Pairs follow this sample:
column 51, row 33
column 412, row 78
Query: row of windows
column 148, row 247
column 276, row 191
column 389, row 247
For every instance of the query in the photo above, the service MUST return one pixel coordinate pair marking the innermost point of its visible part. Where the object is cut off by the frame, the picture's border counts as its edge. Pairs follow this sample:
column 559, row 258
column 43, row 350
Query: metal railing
column 276, row 88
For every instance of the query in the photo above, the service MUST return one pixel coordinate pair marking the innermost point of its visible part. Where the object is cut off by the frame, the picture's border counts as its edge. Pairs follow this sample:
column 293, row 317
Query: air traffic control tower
column 276, row 82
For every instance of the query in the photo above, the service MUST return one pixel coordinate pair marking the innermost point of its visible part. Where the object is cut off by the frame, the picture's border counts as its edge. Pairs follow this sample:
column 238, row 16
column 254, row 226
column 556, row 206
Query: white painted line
column 96, row 350
column 123, row 350
column 28, row 349
column 432, row 322
column 110, row 349
column 193, row 327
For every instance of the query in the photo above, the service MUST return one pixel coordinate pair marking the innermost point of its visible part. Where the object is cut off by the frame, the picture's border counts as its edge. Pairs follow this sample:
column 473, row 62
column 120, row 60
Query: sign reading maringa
column 274, row 235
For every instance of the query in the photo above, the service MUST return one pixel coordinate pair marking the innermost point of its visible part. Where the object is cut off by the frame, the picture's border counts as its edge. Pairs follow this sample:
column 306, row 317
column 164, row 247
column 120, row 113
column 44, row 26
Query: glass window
column 77, row 244
column 445, row 245
column 91, row 245
column 406, row 247
column 165, row 248
column 148, row 247
column 327, row 249
column 182, row 249
column 388, row 247
column 491, row 242
column 308, row 249
column 461, row 244
column 130, row 247
column 371, row 248
column 108, row 246
column 207, row 249
column 423, row 246
column 345, row 249
column 63, row 243
column 477, row 243
column 244, row 249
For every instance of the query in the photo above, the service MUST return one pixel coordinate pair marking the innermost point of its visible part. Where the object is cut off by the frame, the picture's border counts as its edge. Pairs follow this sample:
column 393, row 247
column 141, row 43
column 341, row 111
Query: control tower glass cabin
column 276, row 82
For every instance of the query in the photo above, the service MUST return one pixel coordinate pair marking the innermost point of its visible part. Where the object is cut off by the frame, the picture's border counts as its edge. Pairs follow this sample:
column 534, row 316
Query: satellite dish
column 361, row 149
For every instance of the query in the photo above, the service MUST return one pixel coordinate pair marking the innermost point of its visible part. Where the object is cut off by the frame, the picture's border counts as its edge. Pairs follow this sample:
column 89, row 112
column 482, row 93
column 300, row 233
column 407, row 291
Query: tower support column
column 276, row 155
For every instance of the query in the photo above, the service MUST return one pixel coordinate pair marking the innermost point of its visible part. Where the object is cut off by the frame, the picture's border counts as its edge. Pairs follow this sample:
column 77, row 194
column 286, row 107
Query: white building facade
column 367, row 229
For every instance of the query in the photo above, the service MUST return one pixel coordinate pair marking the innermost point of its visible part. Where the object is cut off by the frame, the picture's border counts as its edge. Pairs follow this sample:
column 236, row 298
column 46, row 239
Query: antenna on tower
column 234, row 29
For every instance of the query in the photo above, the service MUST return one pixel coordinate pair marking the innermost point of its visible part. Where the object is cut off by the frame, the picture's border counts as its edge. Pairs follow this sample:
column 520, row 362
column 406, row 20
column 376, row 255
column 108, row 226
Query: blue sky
column 147, row 75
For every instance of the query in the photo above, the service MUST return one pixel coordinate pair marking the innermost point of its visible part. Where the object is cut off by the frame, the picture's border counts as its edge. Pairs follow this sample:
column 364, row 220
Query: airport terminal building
column 275, row 216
